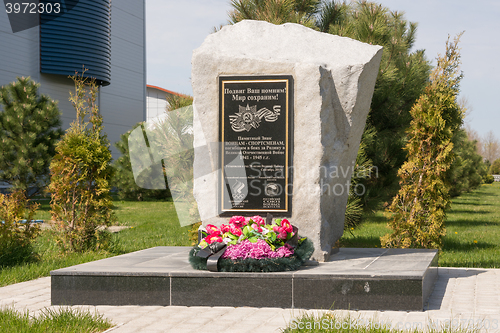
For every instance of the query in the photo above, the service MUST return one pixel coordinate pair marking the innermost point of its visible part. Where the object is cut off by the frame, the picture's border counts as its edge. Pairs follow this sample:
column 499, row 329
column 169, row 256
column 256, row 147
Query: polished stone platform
column 354, row 278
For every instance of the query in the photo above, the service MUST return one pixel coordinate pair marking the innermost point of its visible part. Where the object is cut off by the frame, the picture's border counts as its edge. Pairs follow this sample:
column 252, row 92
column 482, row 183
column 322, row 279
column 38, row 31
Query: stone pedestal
column 333, row 83
column 355, row 279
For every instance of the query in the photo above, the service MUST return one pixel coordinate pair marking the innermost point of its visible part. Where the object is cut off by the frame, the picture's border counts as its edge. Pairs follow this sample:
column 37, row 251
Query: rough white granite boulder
column 334, row 79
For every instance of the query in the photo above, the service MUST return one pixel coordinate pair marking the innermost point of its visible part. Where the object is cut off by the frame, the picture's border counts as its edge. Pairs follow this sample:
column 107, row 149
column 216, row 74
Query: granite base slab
column 353, row 278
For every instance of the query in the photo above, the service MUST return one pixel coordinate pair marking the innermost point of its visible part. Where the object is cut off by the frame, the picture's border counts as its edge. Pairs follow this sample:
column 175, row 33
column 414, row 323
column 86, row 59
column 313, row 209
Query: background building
column 107, row 37
column 157, row 101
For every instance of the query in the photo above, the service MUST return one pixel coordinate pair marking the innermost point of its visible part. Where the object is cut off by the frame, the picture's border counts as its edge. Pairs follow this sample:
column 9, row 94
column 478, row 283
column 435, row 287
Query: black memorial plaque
column 256, row 135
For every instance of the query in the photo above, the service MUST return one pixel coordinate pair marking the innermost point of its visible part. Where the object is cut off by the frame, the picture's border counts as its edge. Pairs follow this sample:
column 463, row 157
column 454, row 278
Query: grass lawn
column 472, row 227
column 63, row 320
column 472, row 240
column 153, row 223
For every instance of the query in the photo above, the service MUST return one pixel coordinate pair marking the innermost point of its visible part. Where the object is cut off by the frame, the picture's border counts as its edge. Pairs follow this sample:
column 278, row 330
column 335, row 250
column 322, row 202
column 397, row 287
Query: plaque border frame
column 242, row 78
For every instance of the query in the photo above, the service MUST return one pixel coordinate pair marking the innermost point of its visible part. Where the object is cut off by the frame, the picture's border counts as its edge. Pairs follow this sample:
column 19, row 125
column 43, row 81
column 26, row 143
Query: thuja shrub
column 16, row 233
column 418, row 210
column 488, row 179
column 81, row 203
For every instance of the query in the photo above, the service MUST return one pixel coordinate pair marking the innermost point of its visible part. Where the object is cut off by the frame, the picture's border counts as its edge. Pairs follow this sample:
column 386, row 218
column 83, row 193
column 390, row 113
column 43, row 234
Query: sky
column 175, row 28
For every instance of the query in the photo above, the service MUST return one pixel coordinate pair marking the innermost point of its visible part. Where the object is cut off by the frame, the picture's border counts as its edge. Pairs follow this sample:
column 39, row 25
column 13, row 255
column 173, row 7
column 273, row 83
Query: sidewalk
column 466, row 296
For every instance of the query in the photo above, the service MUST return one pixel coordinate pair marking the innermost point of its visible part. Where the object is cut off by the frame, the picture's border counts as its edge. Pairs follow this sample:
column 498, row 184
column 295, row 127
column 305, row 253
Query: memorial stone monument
column 280, row 111
column 278, row 116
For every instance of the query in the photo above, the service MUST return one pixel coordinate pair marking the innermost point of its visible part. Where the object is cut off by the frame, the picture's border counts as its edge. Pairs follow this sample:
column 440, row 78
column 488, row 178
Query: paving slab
column 173, row 318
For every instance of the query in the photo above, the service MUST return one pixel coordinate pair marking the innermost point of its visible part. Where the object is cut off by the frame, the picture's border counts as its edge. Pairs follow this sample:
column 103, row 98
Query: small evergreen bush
column 488, row 179
column 16, row 237
column 495, row 167
column 418, row 210
column 80, row 176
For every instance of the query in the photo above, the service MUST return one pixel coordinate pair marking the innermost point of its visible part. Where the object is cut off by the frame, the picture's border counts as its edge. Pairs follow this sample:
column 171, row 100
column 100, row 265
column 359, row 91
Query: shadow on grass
column 469, row 212
column 479, row 263
column 468, row 203
column 18, row 255
column 360, row 241
column 372, row 218
column 458, row 246
column 117, row 200
column 144, row 200
column 481, row 192
column 44, row 204
column 469, row 223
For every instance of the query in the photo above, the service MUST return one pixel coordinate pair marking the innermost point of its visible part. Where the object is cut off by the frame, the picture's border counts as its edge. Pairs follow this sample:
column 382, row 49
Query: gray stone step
column 363, row 279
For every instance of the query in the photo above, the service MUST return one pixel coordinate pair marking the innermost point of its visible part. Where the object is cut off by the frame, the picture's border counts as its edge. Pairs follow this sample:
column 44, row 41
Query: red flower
column 224, row 228
column 237, row 221
column 235, row 230
column 282, row 234
column 212, row 230
column 287, row 225
column 213, row 239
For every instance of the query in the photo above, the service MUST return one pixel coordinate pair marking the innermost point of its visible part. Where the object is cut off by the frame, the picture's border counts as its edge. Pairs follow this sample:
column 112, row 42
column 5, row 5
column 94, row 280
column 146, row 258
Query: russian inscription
column 256, row 120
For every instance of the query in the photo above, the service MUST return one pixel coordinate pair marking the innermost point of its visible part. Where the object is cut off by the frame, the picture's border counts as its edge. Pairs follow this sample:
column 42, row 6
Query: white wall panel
column 156, row 102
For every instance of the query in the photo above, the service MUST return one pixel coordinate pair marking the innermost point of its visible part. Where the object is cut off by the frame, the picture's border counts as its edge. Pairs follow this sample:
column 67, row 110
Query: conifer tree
column 81, row 174
column 275, row 11
column 468, row 169
column 402, row 76
column 123, row 177
column 30, row 126
column 174, row 137
column 418, row 210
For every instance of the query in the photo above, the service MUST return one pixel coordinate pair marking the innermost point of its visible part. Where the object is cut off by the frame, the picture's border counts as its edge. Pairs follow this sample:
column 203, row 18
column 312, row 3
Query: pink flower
column 287, row 225
column 259, row 220
column 284, row 251
column 225, row 228
column 276, row 229
column 213, row 239
column 235, row 231
column 212, row 230
column 257, row 228
column 257, row 250
column 237, row 221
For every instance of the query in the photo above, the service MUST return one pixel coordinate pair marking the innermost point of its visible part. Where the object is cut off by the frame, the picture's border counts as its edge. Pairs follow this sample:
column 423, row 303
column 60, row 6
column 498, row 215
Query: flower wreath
column 250, row 245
